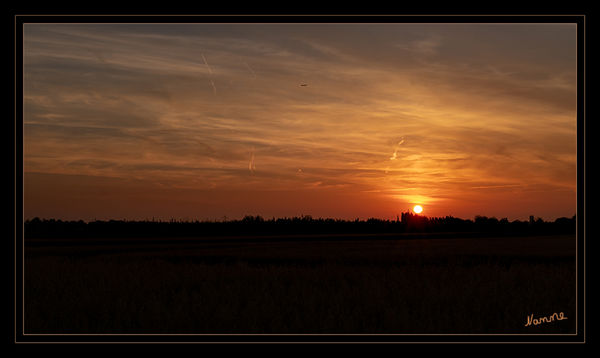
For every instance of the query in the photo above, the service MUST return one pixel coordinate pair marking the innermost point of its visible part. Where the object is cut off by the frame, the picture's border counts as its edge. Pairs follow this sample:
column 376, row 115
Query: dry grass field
column 281, row 285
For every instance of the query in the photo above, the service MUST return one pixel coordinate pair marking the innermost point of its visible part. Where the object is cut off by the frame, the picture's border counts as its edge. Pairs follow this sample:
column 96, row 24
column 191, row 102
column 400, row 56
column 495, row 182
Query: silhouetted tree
column 251, row 225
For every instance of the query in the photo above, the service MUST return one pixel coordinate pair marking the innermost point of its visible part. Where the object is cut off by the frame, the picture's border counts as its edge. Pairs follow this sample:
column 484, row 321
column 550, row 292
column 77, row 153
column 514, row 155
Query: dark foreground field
column 329, row 284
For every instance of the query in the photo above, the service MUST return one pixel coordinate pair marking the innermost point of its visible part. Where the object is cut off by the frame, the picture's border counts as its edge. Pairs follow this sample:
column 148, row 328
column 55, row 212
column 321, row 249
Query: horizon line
column 226, row 219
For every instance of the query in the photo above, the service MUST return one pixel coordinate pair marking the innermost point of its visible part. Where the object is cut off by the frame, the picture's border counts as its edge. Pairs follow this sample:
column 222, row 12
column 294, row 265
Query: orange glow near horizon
column 206, row 121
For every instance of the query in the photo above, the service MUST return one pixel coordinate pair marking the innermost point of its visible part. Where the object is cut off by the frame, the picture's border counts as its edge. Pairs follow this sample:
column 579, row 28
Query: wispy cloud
column 99, row 100
column 422, row 46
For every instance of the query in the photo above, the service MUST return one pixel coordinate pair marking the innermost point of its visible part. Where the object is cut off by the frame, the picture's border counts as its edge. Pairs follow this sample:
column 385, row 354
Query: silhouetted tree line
column 257, row 225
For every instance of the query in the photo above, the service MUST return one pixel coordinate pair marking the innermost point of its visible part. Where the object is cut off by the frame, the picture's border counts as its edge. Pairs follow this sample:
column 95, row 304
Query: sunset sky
column 207, row 121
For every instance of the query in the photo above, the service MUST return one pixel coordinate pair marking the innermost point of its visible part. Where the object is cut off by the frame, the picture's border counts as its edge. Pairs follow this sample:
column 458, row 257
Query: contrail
column 251, row 166
column 250, row 68
column 209, row 74
column 394, row 156
column 213, row 86
column 206, row 63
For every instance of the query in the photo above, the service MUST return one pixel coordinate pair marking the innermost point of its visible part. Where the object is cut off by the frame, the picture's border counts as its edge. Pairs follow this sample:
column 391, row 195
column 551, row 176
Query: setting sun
column 418, row 209
column 212, row 127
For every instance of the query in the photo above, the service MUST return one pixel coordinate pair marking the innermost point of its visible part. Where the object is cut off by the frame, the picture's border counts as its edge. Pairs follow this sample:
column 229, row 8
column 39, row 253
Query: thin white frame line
column 301, row 334
column 300, row 15
column 333, row 334
column 583, row 150
column 303, row 342
column 301, row 23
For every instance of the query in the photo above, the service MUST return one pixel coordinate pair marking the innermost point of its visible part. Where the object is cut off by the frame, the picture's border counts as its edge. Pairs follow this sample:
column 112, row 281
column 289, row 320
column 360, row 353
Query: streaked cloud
column 445, row 115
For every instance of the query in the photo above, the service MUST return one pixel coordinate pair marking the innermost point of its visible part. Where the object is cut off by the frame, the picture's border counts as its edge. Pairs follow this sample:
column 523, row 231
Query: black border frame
column 17, row 248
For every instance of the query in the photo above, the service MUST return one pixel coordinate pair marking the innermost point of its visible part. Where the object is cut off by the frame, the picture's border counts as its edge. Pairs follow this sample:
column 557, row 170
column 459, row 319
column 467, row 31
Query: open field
column 326, row 284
